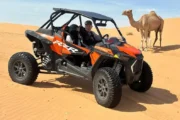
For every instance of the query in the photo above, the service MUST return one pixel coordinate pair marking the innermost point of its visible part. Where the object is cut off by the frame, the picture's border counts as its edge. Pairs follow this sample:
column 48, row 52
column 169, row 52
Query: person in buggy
column 87, row 36
column 93, row 36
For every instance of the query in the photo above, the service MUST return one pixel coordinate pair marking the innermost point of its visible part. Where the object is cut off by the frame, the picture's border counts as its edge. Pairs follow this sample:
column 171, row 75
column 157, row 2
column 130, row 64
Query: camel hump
column 152, row 13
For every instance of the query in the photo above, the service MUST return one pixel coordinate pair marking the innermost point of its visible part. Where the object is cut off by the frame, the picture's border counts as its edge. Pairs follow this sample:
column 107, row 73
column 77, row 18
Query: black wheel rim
column 102, row 88
column 19, row 69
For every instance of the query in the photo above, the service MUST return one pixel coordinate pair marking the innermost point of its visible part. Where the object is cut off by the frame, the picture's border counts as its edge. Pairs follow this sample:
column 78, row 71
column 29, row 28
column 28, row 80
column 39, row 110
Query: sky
column 37, row 12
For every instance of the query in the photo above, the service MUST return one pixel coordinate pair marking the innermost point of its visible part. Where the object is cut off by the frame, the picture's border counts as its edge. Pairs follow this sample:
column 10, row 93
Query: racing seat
column 74, row 34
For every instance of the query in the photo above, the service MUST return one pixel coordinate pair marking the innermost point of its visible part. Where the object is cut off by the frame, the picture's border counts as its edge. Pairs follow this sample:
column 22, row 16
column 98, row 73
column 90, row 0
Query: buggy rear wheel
column 107, row 87
column 145, row 80
column 23, row 68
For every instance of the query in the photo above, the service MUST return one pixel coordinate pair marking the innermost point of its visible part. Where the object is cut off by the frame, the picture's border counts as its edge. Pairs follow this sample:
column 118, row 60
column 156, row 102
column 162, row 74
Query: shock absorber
column 46, row 61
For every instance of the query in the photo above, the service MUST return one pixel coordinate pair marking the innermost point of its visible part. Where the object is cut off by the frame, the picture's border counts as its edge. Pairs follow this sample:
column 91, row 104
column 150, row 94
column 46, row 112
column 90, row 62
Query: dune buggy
column 110, row 64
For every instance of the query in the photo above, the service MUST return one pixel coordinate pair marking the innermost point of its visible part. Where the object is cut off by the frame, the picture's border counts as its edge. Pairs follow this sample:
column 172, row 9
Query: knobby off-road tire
column 107, row 87
column 23, row 68
column 145, row 80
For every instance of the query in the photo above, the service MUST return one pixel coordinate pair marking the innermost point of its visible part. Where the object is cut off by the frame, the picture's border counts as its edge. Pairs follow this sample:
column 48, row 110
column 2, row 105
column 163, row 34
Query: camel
column 146, row 24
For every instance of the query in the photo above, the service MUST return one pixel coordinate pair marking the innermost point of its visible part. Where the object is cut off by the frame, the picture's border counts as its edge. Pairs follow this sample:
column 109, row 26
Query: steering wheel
column 106, row 35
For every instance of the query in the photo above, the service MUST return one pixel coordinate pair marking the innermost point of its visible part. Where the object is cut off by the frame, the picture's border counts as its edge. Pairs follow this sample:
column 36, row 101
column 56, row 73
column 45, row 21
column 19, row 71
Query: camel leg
column 155, row 38
column 146, row 38
column 161, row 30
column 142, row 39
column 149, row 39
column 160, row 38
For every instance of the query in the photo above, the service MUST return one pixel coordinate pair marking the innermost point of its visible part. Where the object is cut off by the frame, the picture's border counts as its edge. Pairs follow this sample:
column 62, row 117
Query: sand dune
column 54, row 97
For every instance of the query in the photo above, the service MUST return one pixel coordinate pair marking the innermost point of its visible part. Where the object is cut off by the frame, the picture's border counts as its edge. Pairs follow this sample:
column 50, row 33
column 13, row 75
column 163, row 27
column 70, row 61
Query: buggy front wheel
column 107, row 87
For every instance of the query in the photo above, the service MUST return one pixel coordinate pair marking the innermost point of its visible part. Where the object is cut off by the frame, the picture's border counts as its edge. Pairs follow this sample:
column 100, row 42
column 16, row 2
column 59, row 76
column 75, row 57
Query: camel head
column 127, row 12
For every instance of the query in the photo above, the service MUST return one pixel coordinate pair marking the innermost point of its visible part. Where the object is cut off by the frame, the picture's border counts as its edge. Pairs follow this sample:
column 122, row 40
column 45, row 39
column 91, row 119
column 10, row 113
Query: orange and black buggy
column 109, row 63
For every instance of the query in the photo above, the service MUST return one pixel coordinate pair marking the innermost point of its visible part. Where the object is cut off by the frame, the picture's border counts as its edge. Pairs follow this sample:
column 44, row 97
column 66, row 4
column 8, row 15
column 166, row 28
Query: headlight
column 116, row 56
column 136, row 66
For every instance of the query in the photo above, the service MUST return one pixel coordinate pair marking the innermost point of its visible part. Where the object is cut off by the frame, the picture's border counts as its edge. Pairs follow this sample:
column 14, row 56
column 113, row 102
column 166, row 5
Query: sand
column 53, row 97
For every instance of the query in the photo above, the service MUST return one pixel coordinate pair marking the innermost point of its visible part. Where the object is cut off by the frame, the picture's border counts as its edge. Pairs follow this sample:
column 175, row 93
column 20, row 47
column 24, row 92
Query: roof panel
column 86, row 14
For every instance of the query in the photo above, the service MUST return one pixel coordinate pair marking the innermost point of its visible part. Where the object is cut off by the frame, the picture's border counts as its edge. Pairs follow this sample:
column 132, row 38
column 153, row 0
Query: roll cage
column 95, row 17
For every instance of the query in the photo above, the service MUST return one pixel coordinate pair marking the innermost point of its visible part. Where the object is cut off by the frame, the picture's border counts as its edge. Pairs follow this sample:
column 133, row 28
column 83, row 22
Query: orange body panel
column 59, row 46
column 94, row 57
column 82, row 48
column 109, row 51
column 130, row 50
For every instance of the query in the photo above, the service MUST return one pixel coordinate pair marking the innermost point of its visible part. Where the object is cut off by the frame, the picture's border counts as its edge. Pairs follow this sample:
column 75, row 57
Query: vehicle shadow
column 155, row 96
column 130, row 101
column 68, row 82
column 157, row 49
